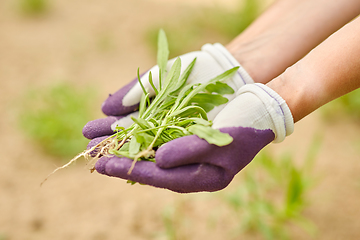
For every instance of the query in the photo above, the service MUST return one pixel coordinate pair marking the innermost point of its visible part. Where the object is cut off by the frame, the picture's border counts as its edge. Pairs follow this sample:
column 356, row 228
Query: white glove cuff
column 227, row 61
column 277, row 108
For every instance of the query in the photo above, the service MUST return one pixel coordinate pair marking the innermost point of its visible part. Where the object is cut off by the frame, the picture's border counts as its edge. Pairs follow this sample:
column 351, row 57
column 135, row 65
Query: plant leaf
column 214, row 99
column 182, row 94
column 196, row 120
column 174, row 74
column 184, row 77
column 142, row 105
column 201, row 121
column 152, row 83
column 201, row 87
column 143, row 124
column 189, row 111
column 220, row 88
column 207, row 107
column 223, row 76
column 134, row 146
column 172, row 77
column 162, row 55
column 211, row 135
column 144, row 138
column 177, row 132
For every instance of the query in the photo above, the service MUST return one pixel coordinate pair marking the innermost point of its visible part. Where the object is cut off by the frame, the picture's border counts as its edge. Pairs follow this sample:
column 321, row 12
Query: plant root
column 146, row 153
column 101, row 149
column 83, row 154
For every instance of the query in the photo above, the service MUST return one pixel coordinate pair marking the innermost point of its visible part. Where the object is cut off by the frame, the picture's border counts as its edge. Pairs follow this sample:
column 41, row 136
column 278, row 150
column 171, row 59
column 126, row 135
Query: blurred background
column 60, row 59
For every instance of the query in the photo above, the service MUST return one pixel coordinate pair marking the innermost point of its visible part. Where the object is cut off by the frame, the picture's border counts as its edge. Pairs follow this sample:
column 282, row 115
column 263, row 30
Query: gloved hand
column 211, row 61
column 256, row 117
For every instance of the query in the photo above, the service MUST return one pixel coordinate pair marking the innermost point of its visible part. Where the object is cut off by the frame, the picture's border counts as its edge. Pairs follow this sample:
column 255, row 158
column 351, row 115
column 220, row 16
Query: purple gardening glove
column 256, row 117
column 211, row 61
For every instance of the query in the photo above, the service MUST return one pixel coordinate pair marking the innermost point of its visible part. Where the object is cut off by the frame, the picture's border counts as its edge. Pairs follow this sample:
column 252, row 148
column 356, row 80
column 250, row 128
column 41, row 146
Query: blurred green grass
column 175, row 221
column 53, row 117
column 189, row 32
column 345, row 106
column 3, row 237
column 273, row 195
column 266, row 201
column 33, row 7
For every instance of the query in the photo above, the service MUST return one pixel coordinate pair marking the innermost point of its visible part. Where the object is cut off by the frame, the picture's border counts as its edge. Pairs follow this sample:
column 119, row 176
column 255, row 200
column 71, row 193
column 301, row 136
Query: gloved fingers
column 247, row 142
column 107, row 126
column 205, row 68
column 113, row 105
column 192, row 149
column 93, row 143
column 96, row 141
column 257, row 106
column 127, row 99
column 190, row 164
column 182, row 151
column 99, row 127
column 184, row 179
column 125, row 121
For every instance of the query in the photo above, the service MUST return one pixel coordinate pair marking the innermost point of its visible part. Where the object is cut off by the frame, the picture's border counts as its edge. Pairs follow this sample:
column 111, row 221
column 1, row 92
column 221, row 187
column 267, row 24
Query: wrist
column 298, row 88
column 261, row 60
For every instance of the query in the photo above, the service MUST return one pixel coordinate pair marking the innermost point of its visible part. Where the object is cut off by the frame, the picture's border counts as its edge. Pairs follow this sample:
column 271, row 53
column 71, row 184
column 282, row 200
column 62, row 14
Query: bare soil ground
column 68, row 44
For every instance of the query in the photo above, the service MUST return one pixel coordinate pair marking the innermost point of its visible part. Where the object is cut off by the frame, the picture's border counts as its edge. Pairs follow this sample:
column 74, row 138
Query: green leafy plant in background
column 347, row 105
column 267, row 202
column 53, row 117
column 105, row 43
column 175, row 221
column 273, row 195
column 3, row 237
column 169, row 224
column 33, row 7
column 202, row 25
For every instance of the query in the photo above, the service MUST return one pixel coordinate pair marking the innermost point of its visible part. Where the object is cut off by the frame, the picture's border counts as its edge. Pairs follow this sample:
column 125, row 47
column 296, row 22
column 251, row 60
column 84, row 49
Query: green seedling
column 51, row 117
column 3, row 237
column 273, row 195
column 34, row 7
column 347, row 105
column 177, row 110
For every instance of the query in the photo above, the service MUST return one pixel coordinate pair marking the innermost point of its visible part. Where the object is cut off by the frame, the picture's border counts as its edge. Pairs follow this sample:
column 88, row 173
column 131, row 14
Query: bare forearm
column 286, row 32
column 327, row 72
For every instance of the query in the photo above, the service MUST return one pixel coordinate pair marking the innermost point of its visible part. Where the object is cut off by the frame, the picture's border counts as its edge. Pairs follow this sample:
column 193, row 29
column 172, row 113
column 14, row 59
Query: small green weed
column 33, row 7
column 105, row 42
column 176, row 221
column 170, row 220
column 3, row 236
column 54, row 116
column 267, row 202
column 347, row 105
column 272, row 196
